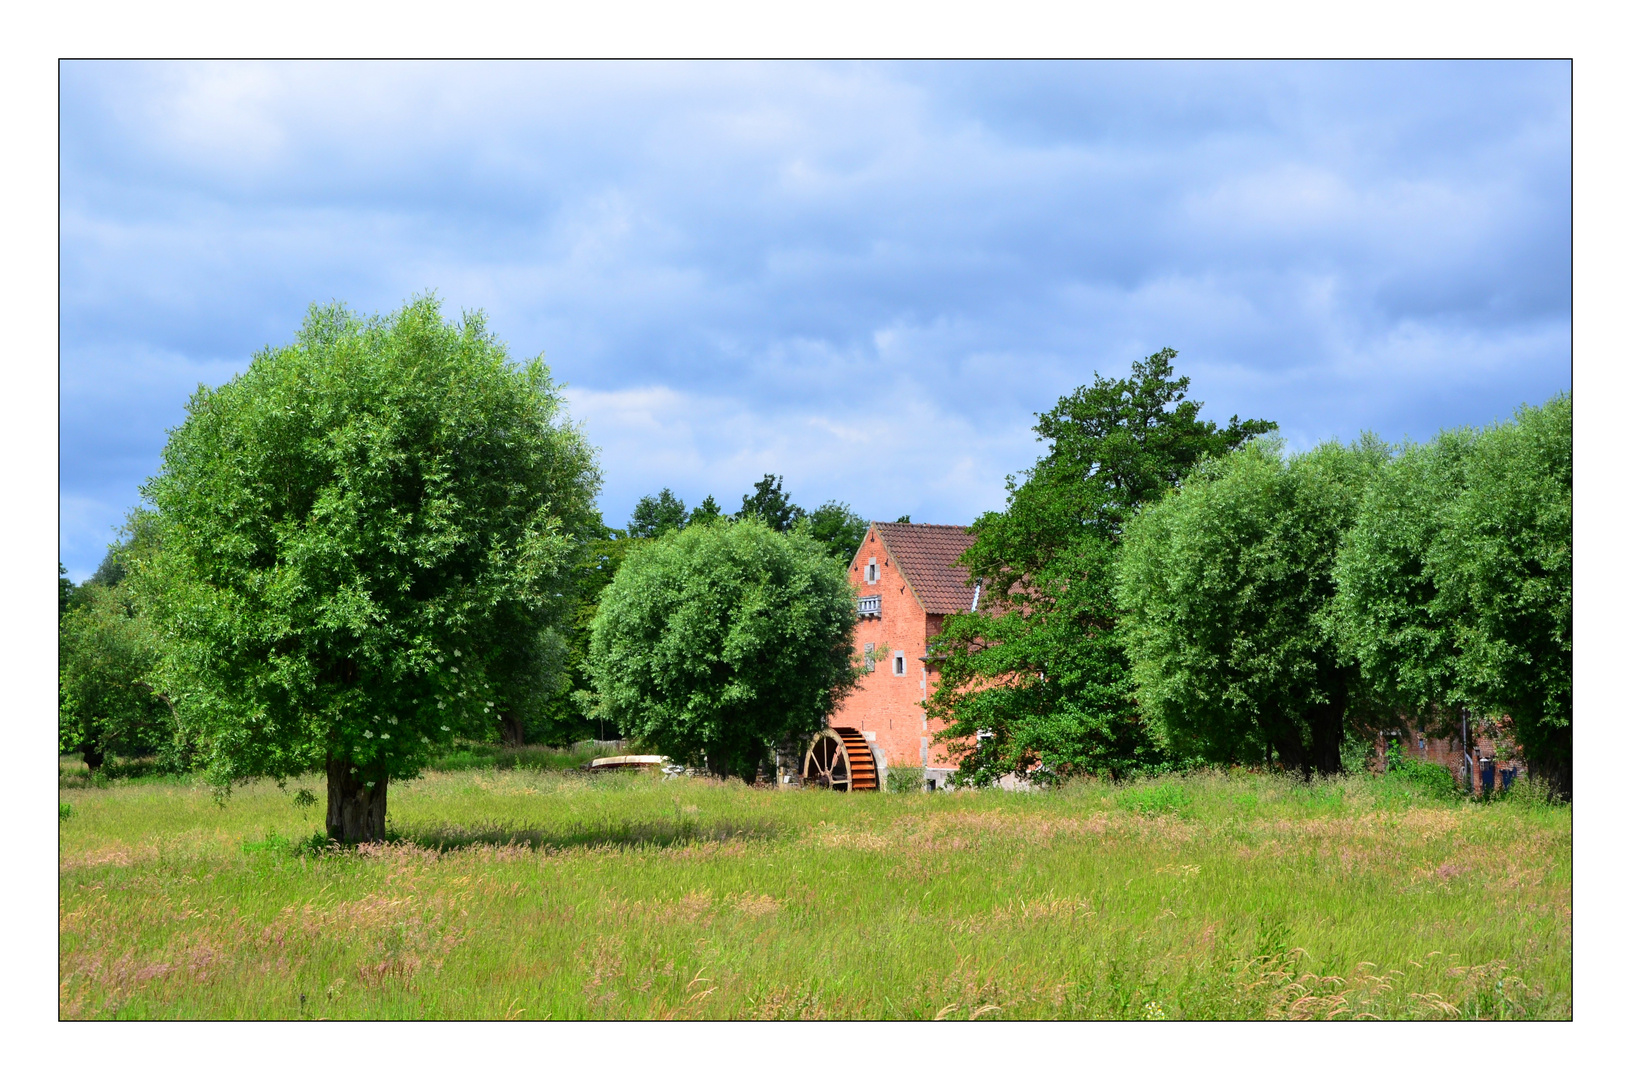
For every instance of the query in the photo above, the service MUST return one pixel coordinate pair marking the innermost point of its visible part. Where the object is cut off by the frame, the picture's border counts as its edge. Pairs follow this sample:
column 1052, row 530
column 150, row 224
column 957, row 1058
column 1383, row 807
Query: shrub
column 905, row 779
column 1431, row 780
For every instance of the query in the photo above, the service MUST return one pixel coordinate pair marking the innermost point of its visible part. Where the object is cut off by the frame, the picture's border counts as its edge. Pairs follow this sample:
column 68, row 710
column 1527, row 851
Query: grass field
column 533, row 894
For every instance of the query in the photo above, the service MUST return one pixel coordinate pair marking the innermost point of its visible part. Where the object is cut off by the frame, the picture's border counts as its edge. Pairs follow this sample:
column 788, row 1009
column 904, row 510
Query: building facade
column 908, row 582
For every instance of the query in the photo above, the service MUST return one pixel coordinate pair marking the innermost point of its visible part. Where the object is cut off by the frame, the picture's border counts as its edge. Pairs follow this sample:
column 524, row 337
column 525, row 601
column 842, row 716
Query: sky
column 865, row 278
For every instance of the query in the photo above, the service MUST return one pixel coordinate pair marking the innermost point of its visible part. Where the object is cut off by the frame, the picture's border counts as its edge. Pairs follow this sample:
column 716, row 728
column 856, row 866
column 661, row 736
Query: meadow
column 536, row 893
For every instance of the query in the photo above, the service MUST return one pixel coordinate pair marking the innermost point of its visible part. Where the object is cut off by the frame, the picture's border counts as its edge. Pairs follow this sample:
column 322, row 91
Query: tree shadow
column 578, row 835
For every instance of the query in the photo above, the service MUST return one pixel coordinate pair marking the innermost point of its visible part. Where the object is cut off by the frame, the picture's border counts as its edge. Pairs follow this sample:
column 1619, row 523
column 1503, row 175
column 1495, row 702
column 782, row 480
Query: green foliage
column 64, row 811
column 904, row 779
column 107, row 653
column 721, row 641
column 362, row 537
column 1041, row 666
column 1228, row 589
column 657, row 514
column 481, row 756
column 66, row 590
column 1457, row 581
column 1433, row 781
column 562, row 719
column 770, row 505
column 707, row 510
column 837, row 528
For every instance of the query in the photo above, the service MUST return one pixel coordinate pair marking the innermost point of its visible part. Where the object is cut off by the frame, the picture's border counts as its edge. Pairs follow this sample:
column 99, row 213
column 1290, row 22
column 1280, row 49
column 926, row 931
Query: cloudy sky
column 867, row 278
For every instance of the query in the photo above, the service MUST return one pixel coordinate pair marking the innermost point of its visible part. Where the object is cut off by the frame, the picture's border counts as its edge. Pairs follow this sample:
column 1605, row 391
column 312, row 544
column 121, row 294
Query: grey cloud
column 782, row 249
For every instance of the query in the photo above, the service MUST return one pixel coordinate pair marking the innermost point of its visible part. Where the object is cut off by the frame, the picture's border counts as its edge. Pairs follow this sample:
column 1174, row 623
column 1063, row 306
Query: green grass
column 528, row 894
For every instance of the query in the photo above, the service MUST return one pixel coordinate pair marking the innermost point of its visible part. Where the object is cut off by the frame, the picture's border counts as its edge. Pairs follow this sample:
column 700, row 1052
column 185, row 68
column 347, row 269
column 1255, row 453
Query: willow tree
column 721, row 642
column 360, row 534
column 1229, row 590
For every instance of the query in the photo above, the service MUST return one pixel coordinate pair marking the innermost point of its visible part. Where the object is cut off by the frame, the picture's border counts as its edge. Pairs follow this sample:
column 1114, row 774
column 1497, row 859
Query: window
column 900, row 662
column 869, row 607
column 871, row 661
column 871, row 571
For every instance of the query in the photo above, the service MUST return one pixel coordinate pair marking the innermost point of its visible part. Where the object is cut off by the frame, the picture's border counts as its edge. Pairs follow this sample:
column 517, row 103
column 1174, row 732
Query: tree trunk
column 93, row 756
column 515, row 733
column 356, row 803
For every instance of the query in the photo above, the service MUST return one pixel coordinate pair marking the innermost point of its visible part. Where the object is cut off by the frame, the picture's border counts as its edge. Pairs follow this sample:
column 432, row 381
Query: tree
column 1456, row 583
column 566, row 716
column 106, row 656
column 1228, row 588
column 716, row 644
column 1039, row 671
column 837, row 528
column 657, row 514
column 707, row 510
column 770, row 505
column 354, row 532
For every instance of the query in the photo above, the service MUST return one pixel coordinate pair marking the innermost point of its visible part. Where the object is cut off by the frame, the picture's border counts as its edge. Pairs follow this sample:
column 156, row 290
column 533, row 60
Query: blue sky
column 867, row 278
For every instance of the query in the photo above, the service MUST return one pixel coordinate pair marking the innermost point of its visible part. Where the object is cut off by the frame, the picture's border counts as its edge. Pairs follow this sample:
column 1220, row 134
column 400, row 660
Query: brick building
column 1495, row 762
column 909, row 582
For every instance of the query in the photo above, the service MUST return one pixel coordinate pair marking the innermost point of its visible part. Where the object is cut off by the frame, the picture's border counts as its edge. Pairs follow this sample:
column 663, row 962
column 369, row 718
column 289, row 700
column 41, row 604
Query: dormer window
column 871, row 571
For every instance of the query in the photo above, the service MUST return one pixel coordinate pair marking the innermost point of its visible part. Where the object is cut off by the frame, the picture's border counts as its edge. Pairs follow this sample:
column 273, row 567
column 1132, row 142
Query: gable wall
column 891, row 707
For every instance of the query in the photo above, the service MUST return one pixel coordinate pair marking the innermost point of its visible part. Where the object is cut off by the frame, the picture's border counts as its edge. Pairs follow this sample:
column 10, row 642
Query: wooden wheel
column 840, row 759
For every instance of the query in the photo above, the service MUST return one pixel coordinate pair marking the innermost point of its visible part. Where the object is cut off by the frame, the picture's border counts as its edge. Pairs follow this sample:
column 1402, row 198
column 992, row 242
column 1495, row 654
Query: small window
column 871, row 661
column 900, row 663
column 871, row 571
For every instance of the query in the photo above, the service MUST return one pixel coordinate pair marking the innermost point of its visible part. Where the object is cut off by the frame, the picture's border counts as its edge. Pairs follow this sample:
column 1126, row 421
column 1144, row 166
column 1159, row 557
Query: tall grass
column 531, row 895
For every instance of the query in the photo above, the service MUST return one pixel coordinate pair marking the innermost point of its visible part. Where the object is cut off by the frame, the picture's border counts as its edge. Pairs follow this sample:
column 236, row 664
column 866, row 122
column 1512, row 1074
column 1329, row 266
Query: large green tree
column 1228, row 587
column 718, row 643
column 1037, row 676
column 108, row 653
column 837, row 528
column 657, row 514
column 359, row 535
column 1457, row 581
column 770, row 504
column 107, row 703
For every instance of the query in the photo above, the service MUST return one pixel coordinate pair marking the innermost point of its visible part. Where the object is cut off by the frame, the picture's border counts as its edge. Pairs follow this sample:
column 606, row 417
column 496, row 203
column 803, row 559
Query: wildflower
column 456, row 652
column 367, row 734
column 383, row 736
column 446, row 728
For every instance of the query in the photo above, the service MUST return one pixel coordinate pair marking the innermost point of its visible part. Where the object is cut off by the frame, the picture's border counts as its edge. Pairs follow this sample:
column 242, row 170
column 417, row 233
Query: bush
column 1434, row 781
column 904, row 779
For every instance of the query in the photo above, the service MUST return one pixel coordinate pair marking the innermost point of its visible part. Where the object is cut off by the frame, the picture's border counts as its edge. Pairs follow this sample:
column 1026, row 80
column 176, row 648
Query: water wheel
column 840, row 759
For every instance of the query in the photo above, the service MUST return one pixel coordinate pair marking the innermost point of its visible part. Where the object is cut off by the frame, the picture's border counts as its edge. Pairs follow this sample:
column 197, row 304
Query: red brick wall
column 1486, row 741
column 890, row 707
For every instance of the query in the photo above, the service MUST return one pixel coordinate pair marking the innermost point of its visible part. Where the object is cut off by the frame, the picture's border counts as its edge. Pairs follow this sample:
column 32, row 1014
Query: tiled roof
column 926, row 556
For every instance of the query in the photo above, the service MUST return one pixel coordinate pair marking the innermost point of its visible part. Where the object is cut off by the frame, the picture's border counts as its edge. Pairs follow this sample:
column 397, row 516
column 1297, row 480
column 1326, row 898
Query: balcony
column 869, row 607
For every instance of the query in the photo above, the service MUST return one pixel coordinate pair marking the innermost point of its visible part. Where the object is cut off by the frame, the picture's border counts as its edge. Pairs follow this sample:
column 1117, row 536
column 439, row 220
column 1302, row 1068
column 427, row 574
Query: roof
column 926, row 556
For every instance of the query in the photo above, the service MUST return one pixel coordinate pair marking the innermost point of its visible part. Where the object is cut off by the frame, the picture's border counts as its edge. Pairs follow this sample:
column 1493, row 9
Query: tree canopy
column 1227, row 587
column 718, row 643
column 836, row 528
column 657, row 514
column 1039, row 669
column 770, row 504
column 356, row 532
column 1457, row 581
